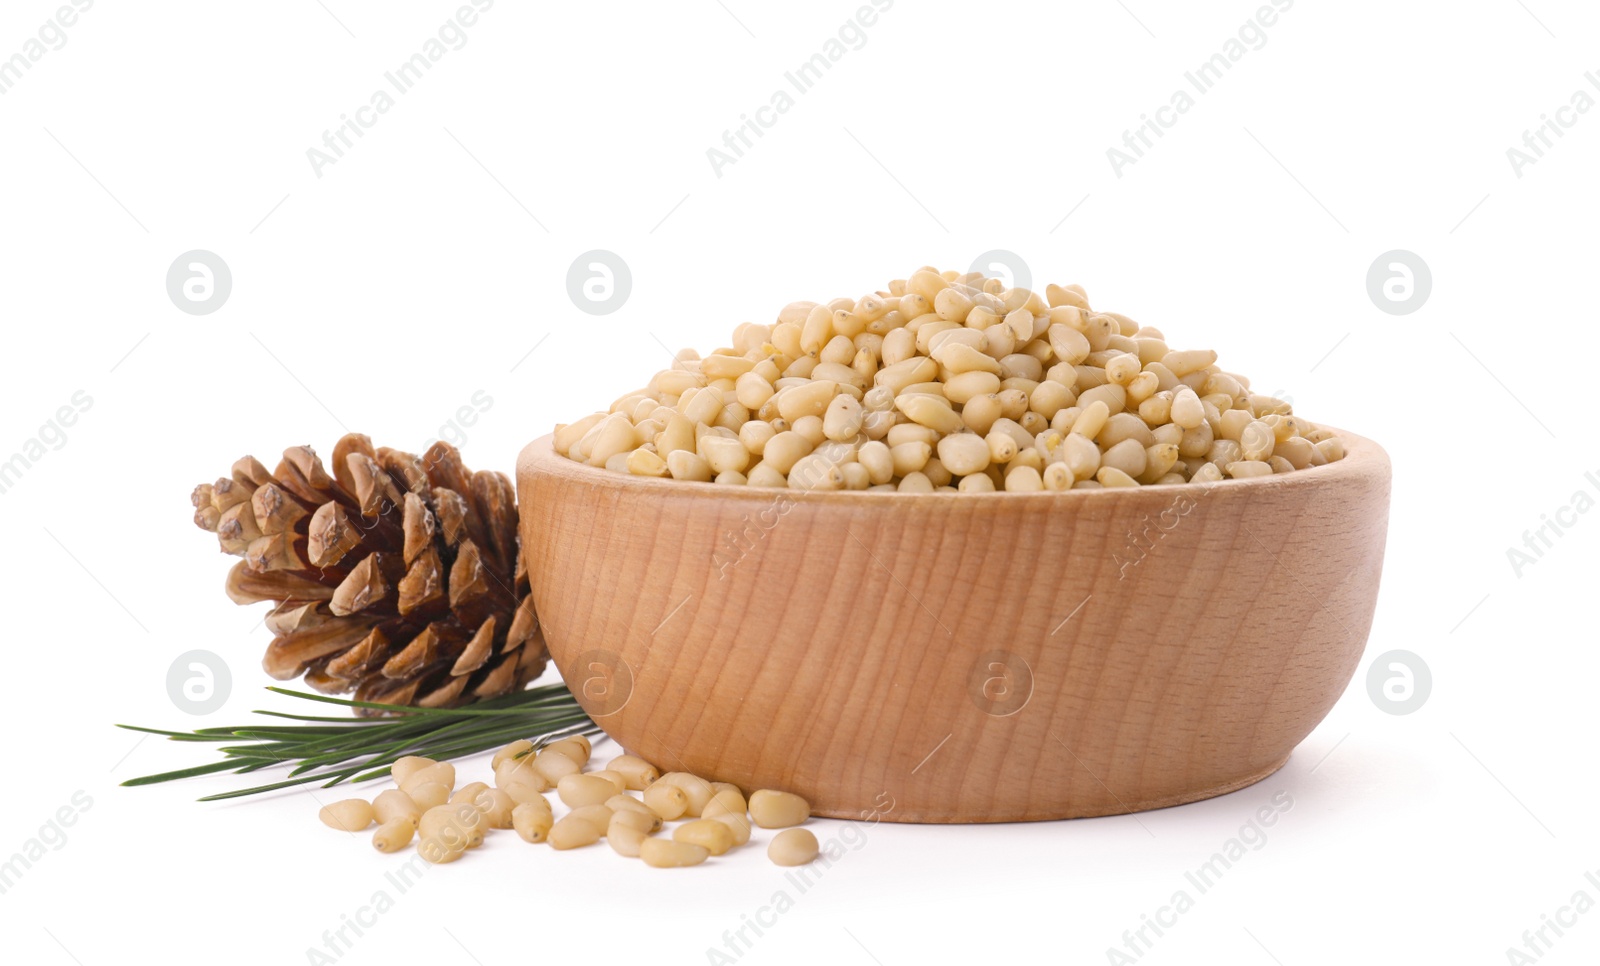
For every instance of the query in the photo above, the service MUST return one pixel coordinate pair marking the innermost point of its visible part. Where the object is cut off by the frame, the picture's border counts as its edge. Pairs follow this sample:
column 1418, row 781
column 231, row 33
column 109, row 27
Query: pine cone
column 397, row 578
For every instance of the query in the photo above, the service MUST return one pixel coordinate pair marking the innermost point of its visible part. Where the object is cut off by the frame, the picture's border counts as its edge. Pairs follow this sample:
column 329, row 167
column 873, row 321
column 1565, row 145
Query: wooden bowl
column 959, row 657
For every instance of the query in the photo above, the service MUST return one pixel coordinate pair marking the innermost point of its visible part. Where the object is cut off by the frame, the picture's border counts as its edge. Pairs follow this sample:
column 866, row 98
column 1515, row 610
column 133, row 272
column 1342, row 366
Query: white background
column 421, row 267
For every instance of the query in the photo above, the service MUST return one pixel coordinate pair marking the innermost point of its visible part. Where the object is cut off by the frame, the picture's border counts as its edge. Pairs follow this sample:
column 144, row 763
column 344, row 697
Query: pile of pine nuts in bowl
column 953, row 383
column 447, row 821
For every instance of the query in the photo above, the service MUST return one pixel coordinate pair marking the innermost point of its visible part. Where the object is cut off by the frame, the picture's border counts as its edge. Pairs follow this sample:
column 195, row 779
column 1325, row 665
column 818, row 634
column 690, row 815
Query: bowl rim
column 1363, row 458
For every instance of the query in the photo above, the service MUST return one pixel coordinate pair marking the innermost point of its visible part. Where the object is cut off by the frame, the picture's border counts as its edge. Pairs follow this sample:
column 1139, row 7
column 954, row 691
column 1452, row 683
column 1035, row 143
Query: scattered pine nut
column 775, row 809
column 670, row 854
column 573, row 832
column 667, row 800
column 712, row 835
column 794, row 846
column 394, row 835
column 350, row 815
column 396, row 804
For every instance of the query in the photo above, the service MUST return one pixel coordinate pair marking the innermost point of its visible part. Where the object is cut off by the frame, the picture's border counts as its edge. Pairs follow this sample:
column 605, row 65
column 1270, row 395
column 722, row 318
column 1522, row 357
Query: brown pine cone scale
column 397, row 578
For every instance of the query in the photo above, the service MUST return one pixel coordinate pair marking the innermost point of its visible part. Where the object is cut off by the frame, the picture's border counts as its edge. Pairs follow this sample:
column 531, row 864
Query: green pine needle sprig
column 332, row 750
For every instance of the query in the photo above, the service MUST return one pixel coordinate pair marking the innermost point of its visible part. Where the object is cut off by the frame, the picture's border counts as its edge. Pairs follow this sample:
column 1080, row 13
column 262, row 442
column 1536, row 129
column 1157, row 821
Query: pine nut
column 349, row 815
column 725, row 799
column 1024, row 478
column 697, row 790
column 775, row 809
column 635, row 771
column 910, row 458
column 427, row 794
column 1110, row 476
column 395, row 805
column 1244, row 469
column 625, row 840
column 708, row 833
column 1002, row 445
column 554, row 765
column 532, row 822
column 964, row 453
column 470, row 794
column 1127, row 456
column 573, row 832
column 455, row 826
column 513, row 751
column 402, row 770
column 915, row 482
column 795, row 846
column 671, row 854
column 579, row 790
column 739, row 825
column 625, row 803
column 440, row 771
column 515, row 771
column 667, row 800
column 843, row 418
column 618, row 783
column 437, row 852
column 976, row 483
column 1256, row 441
column 597, row 815
column 949, row 355
column 394, row 835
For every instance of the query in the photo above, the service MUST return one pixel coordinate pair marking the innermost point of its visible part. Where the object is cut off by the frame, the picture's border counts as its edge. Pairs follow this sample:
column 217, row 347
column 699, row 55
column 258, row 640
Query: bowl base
column 925, row 816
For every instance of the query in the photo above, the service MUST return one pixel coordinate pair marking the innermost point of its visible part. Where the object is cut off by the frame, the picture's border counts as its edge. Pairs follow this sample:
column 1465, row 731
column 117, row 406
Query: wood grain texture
column 965, row 657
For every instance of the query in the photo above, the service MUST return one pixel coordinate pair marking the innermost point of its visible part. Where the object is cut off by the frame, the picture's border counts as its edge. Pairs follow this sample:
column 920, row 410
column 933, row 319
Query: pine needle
column 335, row 750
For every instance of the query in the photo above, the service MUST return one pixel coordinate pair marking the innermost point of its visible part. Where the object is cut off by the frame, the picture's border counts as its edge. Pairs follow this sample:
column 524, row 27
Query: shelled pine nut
column 670, row 854
column 795, row 846
column 532, row 822
column 427, row 795
column 775, row 809
column 349, row 815
column 395, row 804
column 392, row 836
column 950, row 355
column 573, row 832
column 708, row 833
column 667, row 800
